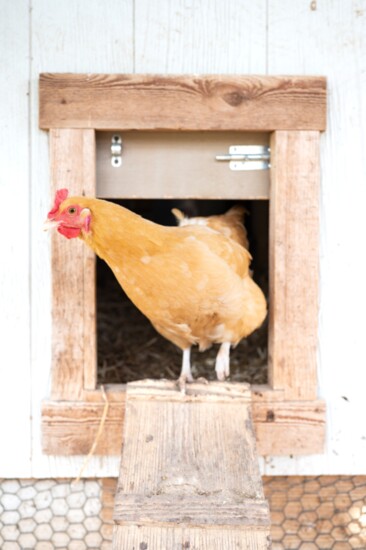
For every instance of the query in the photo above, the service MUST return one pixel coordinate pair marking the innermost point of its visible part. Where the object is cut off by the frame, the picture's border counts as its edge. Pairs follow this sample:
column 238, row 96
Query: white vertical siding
column 331, row 40
column 206, row 36
column 15, row 425
column 180, row 36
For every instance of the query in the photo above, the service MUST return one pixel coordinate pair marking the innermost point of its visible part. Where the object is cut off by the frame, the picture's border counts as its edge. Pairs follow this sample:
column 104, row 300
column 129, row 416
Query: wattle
column 69, row 232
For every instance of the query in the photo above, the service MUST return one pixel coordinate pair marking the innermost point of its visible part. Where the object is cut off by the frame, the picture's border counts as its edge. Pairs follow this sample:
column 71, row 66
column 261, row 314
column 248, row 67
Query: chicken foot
column 185, row 373
column 222, row 364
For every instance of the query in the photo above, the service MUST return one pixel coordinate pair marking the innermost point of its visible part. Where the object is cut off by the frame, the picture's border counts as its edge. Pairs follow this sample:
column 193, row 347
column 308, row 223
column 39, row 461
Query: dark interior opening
column 128, row 346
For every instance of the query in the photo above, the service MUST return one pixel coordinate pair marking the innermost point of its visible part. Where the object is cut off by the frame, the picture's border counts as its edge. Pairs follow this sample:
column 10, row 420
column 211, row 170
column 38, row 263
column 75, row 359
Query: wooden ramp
column 189, row 476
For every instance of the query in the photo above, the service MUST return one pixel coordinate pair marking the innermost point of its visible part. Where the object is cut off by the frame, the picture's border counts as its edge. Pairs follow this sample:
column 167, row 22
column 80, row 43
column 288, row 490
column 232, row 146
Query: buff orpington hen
column 192, row 282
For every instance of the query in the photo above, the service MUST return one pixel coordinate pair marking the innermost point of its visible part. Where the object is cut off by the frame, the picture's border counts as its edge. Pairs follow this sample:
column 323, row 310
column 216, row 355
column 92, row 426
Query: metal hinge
column 247, row 157
column 116, row 151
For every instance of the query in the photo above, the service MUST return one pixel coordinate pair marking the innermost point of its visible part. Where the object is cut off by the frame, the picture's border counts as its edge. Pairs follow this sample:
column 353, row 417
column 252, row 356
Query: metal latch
column 247, row 157
column 116, row 151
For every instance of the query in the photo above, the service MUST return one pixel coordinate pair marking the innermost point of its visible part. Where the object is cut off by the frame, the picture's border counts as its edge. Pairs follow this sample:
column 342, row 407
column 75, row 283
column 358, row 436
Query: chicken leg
column 185, row 373
column 222, row 364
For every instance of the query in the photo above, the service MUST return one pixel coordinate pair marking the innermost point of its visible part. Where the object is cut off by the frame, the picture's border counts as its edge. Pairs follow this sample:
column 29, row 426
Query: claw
column 182, row 382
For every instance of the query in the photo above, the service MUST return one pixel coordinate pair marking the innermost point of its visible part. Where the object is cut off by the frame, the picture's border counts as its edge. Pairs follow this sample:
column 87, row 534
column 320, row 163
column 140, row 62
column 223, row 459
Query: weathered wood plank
column 294, row 244
column 261, row 393
column 189, row 461
column 185, row 537
column 290, row 428
column 166, row 390
column 156, row 102
column 72, row 154
column 174, row 443
column 282, row 428
column 192, row 510
column 69, row 428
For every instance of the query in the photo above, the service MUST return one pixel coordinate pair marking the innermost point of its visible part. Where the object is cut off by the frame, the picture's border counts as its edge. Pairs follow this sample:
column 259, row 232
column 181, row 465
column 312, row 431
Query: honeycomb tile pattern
column 311, row 513
column 51, row 514
column 307, row 513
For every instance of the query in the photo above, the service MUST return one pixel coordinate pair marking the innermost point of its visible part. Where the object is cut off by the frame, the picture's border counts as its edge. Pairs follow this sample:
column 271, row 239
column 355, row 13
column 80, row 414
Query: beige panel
column 178, row 165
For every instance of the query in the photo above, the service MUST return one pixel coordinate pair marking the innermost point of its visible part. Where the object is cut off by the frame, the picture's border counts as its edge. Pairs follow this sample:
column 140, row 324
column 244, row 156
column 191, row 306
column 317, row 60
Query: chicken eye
column 71, row 210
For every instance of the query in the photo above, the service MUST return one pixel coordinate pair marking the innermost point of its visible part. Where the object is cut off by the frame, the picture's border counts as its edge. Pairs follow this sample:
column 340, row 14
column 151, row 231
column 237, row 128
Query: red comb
column 60, row 196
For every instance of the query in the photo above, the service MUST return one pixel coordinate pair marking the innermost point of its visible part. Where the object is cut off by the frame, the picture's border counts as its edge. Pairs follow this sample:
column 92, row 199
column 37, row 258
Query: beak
column 50, row 224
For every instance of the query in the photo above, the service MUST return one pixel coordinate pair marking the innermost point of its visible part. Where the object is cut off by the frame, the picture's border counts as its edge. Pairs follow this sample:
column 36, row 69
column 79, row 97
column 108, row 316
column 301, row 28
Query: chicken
column 229, row 224
column 191, row 282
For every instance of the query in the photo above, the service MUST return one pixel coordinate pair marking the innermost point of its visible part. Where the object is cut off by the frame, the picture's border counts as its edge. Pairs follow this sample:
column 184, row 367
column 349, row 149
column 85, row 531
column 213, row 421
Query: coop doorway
column 288, row 112
column 129, row 348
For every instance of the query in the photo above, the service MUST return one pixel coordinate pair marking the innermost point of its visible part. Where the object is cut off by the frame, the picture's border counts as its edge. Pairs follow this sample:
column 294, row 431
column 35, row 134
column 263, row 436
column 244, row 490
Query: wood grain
column 69, row 429
column 156, row 102
column 187, row 461
column 191, row 510
column 72, row 155
column 178, row 537
column 282, row 428
column 294, row 258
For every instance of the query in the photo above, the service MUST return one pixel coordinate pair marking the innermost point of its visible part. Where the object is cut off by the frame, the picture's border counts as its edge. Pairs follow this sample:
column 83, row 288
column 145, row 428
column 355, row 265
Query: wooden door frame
column 288, row 416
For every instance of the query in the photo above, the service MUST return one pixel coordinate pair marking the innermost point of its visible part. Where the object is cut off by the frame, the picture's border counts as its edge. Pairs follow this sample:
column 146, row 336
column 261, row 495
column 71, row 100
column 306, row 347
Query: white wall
column 180, row 36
